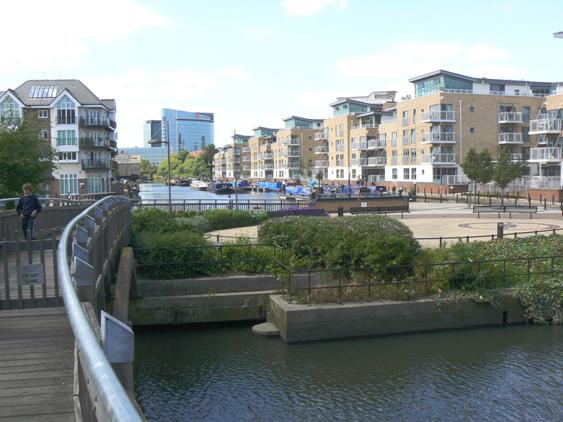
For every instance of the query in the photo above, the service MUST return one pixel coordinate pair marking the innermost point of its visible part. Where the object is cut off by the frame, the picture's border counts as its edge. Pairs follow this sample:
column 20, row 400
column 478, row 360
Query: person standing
column 28, row 208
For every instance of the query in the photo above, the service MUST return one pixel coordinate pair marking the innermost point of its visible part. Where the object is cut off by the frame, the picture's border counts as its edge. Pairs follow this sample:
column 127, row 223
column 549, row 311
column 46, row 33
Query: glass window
column 43, row 114
column 66, row 111
column 9, row 109
column 69, row 184
column 394, row 173
column 66, row 137
column 413, row 173
column 406, row 173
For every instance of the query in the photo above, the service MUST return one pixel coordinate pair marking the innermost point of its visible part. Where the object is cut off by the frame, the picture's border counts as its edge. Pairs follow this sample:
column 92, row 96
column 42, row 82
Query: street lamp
column 167, row 142
column 236, row 167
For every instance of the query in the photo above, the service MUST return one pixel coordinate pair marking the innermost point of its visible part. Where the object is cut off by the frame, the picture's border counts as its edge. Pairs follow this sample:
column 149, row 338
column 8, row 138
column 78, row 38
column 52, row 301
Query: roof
column 373, row 113
column 75, row 87
column 264, row 127
column 302, row 118
column 477, row 80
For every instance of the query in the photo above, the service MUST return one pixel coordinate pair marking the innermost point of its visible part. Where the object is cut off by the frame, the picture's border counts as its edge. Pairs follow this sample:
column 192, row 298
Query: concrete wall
column 299, row 323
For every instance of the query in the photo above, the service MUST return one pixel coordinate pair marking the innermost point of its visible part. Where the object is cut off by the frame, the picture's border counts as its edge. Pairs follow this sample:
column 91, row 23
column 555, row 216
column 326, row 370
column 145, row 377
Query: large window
column 69, row 184
column 66, row 137
column 9, row 109
column 66, row 111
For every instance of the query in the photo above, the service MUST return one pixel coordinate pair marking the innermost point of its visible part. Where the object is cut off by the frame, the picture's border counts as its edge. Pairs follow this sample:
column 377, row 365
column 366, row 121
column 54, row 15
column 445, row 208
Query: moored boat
column 220, row 188
column 198, row 184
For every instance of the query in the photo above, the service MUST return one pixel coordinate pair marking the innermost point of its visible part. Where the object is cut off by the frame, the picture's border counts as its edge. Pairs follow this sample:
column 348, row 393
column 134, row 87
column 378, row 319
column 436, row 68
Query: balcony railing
column 374, row 161
column 293, row 164
column 99, row 164
column 405, row 140
column 405, row 121
column 320, row 136
column 267, row 156
column 97, row 121
column 87, row 142
column 356, row 162
column 373, row 178
column 546, row 125
column 292, row 141
column 438, row 137
column 365, row 126
column 546, row 154
column 339, row 163
column 438, row 158
column 510, row 117
column 293, row 152
column 377, row 143
column 438, row 116
column 321, row 163
column 509, row 138
column 321, row 150
column 267, row 166
column 359, row 145
column 340, row 148
column 394, row 161
column 409, row 159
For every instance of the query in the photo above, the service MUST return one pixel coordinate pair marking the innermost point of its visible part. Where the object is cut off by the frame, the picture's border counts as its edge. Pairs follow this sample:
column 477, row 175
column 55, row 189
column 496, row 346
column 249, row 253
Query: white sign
column 363, row 204
column 29, row 274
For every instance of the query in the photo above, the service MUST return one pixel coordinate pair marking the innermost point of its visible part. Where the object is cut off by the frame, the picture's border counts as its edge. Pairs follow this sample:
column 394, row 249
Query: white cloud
column 394, row 65
column 311, row 7
column 234, row 72
column 56, row 34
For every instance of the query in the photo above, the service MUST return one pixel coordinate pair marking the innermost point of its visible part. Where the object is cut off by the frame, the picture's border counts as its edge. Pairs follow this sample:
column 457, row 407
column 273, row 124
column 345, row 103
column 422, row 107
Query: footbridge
column 62, row 356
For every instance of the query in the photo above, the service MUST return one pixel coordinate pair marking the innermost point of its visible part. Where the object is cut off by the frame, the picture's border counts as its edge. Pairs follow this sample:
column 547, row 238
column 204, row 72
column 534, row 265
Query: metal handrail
column 112, row 395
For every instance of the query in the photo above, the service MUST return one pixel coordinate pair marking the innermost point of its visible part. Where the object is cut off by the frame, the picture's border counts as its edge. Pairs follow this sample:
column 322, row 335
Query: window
column 44, row 134
column 471, row 130
column 66, row 111
column 353, row 173
column 43, row 114
column 66, row 137
column 406, row 174
column 471, row 109
column 394, row 173
column 393, row 139
column 67, row 156
column 516, row 92
column 9, row 109
column 42, row 91
column 413, row 136
column 413, row 173
column 69, row 184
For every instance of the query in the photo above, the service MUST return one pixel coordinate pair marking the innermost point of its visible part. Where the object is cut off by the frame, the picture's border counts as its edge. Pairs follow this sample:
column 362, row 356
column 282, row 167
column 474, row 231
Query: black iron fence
column 416, row 281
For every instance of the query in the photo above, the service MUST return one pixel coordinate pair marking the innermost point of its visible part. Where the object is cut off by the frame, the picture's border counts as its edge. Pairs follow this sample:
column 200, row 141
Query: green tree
column 148, row 169
column 507, row 170
column 478, row 167
column 25, row 158
column 207, row 158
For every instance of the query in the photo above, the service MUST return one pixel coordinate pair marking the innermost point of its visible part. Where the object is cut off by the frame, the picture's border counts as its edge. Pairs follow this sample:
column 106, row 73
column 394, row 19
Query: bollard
column 440, row 197
column 545, row 203
column 500, row 230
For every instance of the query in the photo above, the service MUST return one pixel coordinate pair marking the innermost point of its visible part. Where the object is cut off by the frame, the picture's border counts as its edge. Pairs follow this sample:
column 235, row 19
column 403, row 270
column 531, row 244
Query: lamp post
column 167, row 142
column 236, row 167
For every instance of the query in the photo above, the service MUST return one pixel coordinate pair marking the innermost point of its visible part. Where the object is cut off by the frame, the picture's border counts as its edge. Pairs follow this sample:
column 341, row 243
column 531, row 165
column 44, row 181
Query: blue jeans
column 27, row 224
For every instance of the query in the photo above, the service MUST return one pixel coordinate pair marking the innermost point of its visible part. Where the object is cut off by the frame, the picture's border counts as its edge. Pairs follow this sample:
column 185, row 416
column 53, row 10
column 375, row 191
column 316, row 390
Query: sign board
column 29, row 274
column 363, row 204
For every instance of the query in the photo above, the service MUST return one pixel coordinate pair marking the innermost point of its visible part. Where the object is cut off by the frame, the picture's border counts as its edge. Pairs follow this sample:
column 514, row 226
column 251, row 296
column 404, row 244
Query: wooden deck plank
column 36, row 365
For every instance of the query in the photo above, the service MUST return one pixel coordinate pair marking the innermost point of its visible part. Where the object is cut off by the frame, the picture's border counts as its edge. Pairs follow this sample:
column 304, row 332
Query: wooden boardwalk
column 36, row 365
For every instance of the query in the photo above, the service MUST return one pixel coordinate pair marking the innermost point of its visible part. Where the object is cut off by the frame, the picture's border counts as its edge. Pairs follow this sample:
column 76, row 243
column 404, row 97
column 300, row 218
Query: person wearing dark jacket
column 28, row 207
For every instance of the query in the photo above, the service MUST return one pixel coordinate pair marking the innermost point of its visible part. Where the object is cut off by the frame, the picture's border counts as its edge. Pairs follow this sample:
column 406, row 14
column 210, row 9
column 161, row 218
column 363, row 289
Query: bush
column 542, row 299
column 197, row 223
column 220, row 219
column 175, row 255
column 347, row 243
column 153, row 220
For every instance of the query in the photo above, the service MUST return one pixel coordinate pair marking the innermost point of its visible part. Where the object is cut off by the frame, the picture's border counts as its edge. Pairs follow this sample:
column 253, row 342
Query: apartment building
column 294, row 149
column 428, row 135
column 261, row 153
column 351, row 150
column 80, row 127
column 547, row 155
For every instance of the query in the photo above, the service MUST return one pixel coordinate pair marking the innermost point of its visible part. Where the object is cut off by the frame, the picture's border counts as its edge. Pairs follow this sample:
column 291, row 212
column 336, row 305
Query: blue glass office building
column 186, row 130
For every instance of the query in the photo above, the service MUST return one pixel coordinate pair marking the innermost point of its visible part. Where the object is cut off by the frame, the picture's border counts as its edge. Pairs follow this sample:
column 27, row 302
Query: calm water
column 179, row 193
column 228, row 374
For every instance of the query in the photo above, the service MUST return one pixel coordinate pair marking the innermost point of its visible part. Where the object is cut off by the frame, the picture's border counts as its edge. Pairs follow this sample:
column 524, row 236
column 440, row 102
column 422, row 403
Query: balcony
column 321, row 163
column 94, row 143
column 409, row 159
column 546, row 154
column 267, row 156
column 293, row 152
column 509, row 138
column 340, row 163
column 362, row 146
column 293, row 164
column 339, row 147
column 374, row 161
column 293, row 141
column 510, row 117
column 438, row 116
column 438, row 158
column 377, row 143
column 405, row 121
column 545, row 125
column 515, row 156
column 394, row 161
column 373, row 178
column 97, row 122
column 320, row 136
column 405, row 140
column 438, row 137
column 321, row 150
column 246, row 150
column 365, row 126
column 95, row 164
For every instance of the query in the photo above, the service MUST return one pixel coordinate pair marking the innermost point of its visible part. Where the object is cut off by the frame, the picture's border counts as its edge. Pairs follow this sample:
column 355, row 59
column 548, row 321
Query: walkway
column 36, row 365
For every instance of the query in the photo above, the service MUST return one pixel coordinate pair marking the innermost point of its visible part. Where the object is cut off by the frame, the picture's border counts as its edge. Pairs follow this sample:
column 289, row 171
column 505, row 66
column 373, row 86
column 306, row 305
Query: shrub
column 153, row 220
column 225, row 219
column 542, row 299
column 346, row 243
column 197, row 223
column 175, row 255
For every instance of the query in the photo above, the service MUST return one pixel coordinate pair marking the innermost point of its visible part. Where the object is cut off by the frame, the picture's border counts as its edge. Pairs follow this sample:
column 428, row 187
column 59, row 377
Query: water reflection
column 226, row 373
column 179, row 193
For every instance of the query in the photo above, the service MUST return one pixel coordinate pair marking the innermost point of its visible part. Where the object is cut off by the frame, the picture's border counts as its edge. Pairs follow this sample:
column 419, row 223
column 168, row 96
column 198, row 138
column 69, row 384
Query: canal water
column 225, row 373
column 156, row 191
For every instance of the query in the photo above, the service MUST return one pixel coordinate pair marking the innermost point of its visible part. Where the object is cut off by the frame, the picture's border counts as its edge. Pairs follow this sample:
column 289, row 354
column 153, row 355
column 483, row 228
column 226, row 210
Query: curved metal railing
column 110, row 400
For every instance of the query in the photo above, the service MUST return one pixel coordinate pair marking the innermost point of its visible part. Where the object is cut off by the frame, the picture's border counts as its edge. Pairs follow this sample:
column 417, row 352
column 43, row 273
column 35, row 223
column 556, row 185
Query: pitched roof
column 478, row 80
column 302, row 118
column 76, row 88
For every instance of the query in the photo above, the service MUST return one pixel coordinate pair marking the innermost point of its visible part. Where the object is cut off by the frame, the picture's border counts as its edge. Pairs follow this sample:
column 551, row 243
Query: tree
column 507, row 170
column 25, row 158
column 478, row 167
column 148, row 169
column 207, row 158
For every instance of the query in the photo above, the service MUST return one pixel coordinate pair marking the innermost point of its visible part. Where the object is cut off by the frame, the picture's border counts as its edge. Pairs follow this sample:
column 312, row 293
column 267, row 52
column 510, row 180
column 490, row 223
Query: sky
column 255, row 62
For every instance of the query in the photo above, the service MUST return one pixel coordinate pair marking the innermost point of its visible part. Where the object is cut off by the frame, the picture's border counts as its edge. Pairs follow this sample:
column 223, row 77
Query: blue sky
column 254, row 62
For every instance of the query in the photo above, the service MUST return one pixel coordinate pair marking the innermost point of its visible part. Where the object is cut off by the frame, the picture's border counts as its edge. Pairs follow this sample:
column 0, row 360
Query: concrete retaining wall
column 299, row 323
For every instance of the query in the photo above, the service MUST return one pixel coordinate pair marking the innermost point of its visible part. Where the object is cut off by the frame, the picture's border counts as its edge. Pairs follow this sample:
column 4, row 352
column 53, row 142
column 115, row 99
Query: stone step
column 266, row 329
